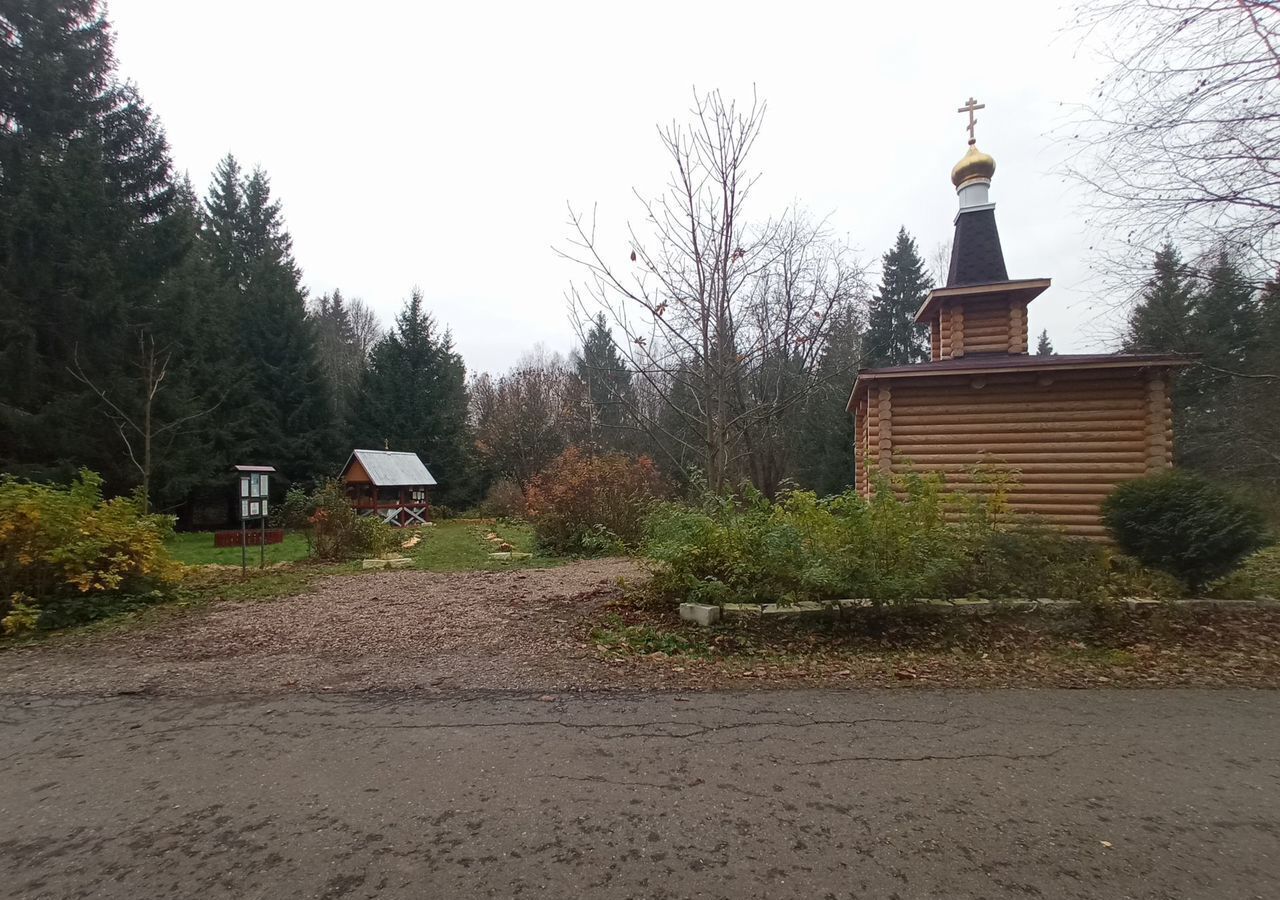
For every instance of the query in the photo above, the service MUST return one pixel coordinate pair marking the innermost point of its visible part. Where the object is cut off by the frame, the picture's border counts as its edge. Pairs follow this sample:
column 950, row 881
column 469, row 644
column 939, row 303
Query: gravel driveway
column 387, row 630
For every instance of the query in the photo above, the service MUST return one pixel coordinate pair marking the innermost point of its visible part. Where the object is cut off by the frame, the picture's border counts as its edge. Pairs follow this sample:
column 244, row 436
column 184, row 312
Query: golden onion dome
column 974, row 164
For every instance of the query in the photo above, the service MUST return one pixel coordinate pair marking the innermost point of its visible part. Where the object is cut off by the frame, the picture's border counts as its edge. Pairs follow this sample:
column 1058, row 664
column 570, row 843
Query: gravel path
column 389, row 630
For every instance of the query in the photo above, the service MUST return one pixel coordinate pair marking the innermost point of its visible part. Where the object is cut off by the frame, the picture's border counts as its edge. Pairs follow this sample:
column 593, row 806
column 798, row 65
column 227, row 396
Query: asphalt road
column 891, row 794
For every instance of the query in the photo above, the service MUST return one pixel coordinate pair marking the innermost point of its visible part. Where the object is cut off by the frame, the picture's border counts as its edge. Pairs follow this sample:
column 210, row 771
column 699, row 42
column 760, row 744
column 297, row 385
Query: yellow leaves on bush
column 59, row 542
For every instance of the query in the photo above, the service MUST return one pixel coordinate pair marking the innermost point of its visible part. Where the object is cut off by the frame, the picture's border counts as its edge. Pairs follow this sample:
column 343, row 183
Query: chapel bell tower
column 979, row 311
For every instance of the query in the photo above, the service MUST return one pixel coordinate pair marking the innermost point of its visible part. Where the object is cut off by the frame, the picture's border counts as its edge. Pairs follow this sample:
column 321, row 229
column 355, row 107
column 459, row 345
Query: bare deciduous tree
column 940, row 262
column 365, row 326
column 1182, row 140
column 153, row 367
column 524, row 419
column 721, row 318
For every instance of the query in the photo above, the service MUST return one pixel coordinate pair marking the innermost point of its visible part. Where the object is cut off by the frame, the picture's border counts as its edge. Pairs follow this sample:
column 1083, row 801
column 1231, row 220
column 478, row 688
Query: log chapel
column 1067, row 428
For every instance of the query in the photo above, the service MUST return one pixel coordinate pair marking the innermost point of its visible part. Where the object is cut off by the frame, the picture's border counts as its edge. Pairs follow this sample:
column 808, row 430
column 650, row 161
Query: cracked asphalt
column 823, row 794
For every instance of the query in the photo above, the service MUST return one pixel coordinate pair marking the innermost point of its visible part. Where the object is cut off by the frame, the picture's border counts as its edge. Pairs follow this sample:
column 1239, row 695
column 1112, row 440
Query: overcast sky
column 437, row 145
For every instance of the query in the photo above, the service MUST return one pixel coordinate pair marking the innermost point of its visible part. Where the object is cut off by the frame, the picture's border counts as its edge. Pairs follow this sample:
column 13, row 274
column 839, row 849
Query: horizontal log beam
column 1092, row 458
column 1079, row 471
column 1020, row 416
column 1088, row 431
column 1131, row 406
column 1016, row 443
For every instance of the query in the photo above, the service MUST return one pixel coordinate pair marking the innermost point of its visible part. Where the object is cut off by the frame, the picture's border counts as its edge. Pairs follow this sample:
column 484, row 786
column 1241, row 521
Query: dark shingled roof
column 1014, row 362
column 976, row 256
column 1022, row 361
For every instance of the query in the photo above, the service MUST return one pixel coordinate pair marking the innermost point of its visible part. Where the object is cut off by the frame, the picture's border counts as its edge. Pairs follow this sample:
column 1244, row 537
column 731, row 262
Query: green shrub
column 295, row 513
column 591, row 504
column 1028, row 560
column 66, row 554
column 744, row 548
column 1183, row 524
column 338, row 532
column 1258, row 576
column 911, row 540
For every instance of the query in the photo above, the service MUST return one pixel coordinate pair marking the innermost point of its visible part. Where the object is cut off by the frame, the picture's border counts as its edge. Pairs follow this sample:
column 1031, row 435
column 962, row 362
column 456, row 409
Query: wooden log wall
column 884, row 433
column 1017, row 326
column 1066, row 438
column 955, row 313
column 860, row 442
column 994, row 326
column 944, row 333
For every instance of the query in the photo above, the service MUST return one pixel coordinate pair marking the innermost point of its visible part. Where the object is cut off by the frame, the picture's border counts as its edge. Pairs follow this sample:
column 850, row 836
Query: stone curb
column 812, row 608
column 402, row 562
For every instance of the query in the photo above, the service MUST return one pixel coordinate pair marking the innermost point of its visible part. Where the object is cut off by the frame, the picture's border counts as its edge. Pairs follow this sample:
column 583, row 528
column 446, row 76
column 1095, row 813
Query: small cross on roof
column 971, row 106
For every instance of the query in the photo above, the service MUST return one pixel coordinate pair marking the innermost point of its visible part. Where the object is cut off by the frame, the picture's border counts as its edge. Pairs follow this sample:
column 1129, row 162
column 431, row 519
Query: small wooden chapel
column 1066, row 428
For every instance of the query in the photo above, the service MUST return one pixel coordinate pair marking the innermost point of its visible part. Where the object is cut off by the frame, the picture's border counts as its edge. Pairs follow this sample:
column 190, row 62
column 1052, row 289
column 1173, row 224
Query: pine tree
column 414, row 398
column 607, row 383
column 1043, row 346
column 893, row 338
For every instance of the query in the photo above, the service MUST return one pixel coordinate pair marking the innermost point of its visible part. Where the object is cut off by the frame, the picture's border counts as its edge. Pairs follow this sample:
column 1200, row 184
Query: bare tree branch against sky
column 437, row 144
column 1181, row 139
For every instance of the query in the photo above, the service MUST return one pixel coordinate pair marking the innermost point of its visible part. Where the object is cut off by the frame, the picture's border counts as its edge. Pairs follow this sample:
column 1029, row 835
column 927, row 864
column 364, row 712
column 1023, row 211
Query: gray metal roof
column 390, row 468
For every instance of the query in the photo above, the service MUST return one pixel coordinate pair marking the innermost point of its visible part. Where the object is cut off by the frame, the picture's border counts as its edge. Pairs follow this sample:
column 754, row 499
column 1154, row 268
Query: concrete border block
column 700, row 614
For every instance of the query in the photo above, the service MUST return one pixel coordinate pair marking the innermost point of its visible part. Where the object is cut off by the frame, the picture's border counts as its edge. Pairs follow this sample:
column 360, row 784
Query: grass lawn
column 460, row 545
column 195, row 548
column 454, row 545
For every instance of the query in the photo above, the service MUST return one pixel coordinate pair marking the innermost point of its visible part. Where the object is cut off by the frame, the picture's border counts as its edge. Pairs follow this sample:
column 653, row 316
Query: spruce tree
column 414, row 398
column 206, row 386
column 1161, row 320
column 607, row 383
column 86, row 239
column 892, row 337
column 224, row 217
column 285, row 416
column 1043, row 346
column 1213, row 397
column 1258, row 429
column 1225, row 316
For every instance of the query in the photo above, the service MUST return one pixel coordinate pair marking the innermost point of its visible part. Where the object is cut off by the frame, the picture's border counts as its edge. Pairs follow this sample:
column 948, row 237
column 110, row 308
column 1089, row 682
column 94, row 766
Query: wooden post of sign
column 244, row 548
column 262, row 544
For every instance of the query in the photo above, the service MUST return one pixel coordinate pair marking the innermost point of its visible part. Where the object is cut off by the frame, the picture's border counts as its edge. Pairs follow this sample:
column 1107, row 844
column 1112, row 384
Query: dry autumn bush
column 592, row 504
column 503, row 500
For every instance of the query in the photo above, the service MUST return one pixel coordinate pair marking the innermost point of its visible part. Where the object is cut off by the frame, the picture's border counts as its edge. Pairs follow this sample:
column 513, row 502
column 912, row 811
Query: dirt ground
column 385, row 630
column 569, row 628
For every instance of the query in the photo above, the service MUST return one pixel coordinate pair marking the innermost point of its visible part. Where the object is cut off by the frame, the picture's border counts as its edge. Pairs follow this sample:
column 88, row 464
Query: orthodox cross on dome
column 972, row 106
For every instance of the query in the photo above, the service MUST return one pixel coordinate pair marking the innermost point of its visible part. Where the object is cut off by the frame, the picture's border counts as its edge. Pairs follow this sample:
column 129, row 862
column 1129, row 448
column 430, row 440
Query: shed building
column 390, row 485
column 1066, row 428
